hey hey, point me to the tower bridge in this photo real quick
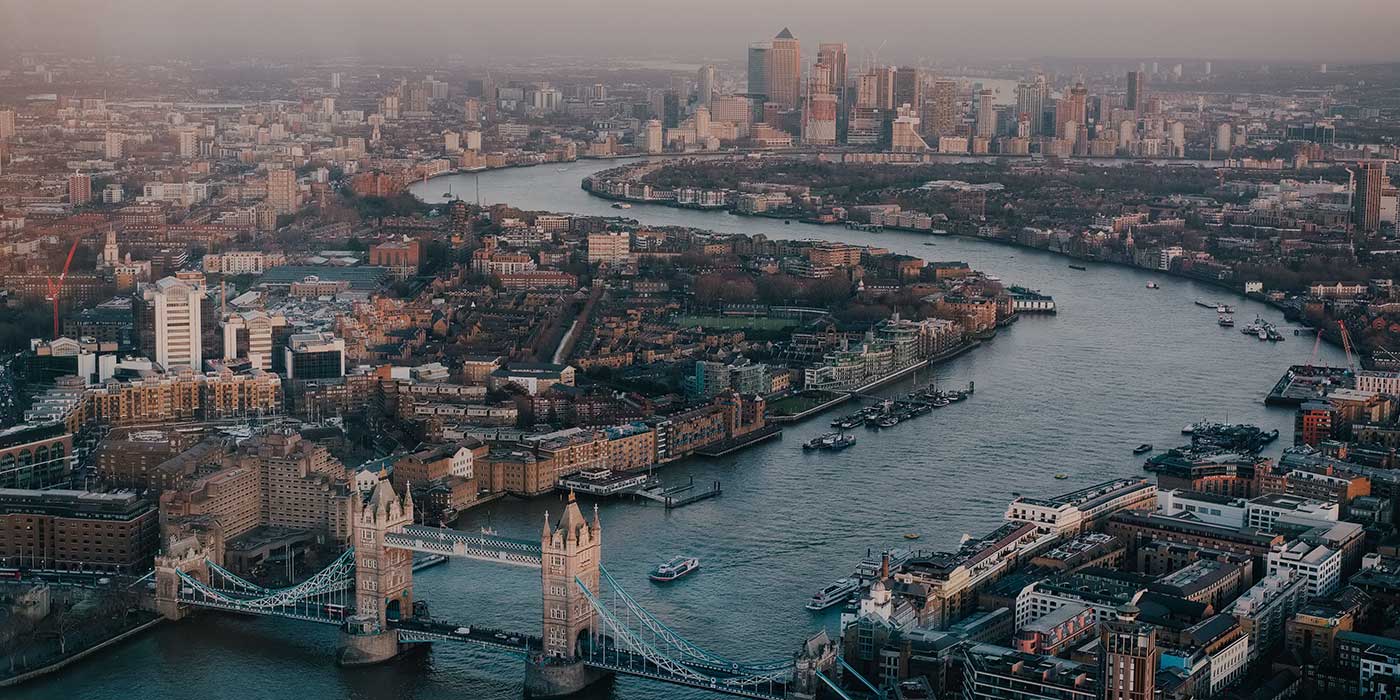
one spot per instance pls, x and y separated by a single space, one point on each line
591 628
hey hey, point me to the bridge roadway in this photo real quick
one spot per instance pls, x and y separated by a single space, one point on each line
610 657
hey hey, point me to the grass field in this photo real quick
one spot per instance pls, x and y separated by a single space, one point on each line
797 403
737 323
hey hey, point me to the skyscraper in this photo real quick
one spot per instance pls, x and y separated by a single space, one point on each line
986 114
705 85
1366 202
7 123
1127 657
1030 101
1136 98
908 87
759 54
785 70
944 112
831 59
175 310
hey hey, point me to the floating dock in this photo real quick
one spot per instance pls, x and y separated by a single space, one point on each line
680 496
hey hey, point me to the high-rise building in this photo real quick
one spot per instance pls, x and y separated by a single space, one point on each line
758 70
335 81
79 189
943 109
1079 104
1366 201
282 190
1030 101
908 87
819 120
1128 657
314 356
7 123
112 145
986 114
175 309
1136 98
671 110
189 143
705 85
785 70
651 137
831 60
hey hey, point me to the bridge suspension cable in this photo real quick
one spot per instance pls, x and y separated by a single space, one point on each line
325 597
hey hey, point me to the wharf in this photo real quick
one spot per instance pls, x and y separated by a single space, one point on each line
1303 383
605 482
680 496
720 449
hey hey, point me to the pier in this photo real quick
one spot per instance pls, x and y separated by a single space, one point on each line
680 496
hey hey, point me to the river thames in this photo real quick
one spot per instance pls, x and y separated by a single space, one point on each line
1119 365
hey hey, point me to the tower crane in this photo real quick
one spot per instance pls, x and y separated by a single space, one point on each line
55 288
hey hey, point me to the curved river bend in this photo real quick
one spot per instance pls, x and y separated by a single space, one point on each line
1120 365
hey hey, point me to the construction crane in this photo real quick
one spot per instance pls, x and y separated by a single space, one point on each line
1346 345
55 288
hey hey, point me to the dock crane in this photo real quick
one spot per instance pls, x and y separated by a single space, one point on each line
55 288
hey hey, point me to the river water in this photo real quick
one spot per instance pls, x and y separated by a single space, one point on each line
1118 366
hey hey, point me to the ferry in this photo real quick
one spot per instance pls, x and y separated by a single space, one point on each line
1224 309
621 205
833 594
1144 448
869 568
1153 285
1226 320
674 569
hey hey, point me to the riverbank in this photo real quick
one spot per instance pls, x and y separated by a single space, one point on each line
80 655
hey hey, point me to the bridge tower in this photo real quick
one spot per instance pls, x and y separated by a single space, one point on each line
383 578
189 553
570 550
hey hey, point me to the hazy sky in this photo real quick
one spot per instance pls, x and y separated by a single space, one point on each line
1312 30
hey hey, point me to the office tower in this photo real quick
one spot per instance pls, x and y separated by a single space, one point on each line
1127 657
908 87
7 123
832 58
885 87
671 110
785 70
986 115
705 85
1207 67
175 309
651 137
819 120
282 190
1079 103
757 88
79 189
1366 201
318 355
1030 101
1136 98
249 335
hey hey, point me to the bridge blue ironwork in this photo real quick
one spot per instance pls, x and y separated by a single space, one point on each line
466 545
326 597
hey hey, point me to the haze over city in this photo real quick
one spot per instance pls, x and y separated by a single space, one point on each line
1271 30
626 350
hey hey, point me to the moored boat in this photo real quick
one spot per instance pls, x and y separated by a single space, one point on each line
1144 448
1153 285
674 569
834 594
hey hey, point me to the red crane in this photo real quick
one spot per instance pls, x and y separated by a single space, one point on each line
56 287
1346 345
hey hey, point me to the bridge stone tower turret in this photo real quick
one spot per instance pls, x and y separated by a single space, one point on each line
383 578
569 552
189 553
